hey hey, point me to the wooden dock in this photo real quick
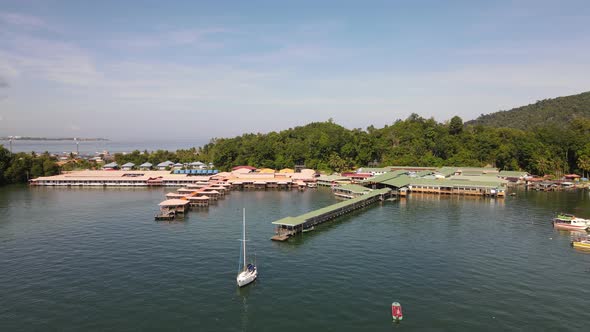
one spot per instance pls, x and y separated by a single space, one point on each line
290 226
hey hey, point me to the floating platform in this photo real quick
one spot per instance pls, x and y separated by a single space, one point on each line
290 226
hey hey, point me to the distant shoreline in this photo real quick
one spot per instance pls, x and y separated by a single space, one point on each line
19 138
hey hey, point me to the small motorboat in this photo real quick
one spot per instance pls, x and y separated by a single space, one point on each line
396 311
305 230
582 243
575 224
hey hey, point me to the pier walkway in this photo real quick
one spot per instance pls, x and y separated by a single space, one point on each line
289 226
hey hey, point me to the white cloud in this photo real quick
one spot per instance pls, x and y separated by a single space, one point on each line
51 60
201 37
22 20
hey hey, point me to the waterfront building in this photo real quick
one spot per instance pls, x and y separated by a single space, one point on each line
572 177
402 181
145 166
350 190
177 206
244 167
374 170
332 180
197 165
119 178
356 177
128 166
110 166
164 165
513 176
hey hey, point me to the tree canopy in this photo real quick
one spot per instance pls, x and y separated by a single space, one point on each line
20 167
413 141
559 111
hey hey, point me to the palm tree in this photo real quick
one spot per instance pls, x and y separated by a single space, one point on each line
584 164
542 165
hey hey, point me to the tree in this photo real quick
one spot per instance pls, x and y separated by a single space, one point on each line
336 163
584 164
50 167
456 125
5 160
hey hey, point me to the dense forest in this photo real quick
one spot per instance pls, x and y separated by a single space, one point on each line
559 111
413 141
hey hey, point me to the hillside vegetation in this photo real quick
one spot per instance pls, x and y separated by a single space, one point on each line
559 111
413 141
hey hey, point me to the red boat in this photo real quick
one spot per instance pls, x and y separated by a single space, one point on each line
396 311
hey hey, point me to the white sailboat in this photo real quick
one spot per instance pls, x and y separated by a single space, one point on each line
248 272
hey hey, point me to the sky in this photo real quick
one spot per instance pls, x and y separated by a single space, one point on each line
202 69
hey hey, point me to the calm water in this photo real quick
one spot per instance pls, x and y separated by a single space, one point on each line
94 259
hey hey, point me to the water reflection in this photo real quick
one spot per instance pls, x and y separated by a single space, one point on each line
243 293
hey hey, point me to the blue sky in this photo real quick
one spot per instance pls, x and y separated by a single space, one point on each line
196 69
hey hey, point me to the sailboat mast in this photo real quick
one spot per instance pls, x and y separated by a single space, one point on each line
244 234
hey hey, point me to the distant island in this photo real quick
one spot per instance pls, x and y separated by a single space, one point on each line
27 138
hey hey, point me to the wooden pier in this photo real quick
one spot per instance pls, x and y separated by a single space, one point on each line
290 226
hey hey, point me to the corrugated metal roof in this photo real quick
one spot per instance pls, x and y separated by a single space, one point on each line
480 177
173 202
411 167
515 174
384 177
447 171
398 182
295 221
333 178
424 173
454 183
479 169
354 188
374 169
472 173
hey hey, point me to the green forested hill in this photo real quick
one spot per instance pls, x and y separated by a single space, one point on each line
559 111
549 137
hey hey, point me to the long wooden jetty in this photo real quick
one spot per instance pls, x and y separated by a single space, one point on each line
290 226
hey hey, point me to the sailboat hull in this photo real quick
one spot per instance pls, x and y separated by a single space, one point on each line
246 277
249 272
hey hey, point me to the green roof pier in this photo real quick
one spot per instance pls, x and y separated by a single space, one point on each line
290 226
